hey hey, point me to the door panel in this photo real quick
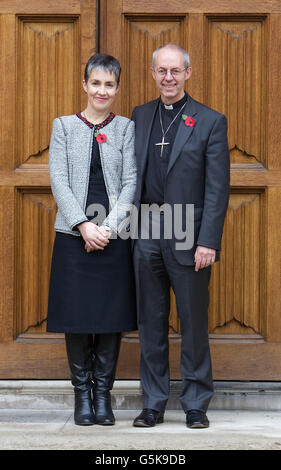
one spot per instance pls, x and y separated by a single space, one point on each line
236 63
235 59
45 46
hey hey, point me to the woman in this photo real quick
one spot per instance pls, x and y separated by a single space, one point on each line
93 172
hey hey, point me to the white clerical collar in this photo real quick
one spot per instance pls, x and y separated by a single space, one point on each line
168 106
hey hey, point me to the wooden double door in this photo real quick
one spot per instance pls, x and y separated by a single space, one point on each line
235 56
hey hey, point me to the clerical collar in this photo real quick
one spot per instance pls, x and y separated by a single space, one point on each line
175 105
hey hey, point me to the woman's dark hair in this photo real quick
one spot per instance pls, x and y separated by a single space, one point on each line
105 62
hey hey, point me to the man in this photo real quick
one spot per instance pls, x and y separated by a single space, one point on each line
182 157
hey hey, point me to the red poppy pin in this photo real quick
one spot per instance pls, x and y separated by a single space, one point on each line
188 120
101 138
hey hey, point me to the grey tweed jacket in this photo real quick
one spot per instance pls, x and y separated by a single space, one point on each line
69 164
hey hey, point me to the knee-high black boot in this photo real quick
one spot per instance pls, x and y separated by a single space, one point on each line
79 349
106 351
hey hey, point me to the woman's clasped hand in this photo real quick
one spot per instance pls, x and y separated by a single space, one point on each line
95 237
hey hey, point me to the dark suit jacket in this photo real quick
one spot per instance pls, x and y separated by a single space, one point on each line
198 171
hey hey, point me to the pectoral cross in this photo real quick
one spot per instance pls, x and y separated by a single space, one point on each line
162 144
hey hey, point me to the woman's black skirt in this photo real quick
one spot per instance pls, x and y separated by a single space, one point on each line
91 292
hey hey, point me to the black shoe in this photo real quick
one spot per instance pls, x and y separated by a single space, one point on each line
103 411
83 411
196 419
148 418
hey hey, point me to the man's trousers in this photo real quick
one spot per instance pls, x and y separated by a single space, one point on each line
156 270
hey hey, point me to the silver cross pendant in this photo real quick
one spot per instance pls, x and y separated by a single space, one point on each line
162 145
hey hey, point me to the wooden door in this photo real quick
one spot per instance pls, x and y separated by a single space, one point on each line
235 54
235 59
44 48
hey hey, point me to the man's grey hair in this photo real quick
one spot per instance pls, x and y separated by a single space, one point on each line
172 45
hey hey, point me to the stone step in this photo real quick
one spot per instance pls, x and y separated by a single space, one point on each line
126 395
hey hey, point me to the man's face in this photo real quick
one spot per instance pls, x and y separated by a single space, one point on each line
171 86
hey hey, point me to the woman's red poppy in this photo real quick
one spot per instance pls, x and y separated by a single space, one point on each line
101 138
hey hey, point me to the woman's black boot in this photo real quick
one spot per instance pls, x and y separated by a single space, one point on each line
79 349
106 352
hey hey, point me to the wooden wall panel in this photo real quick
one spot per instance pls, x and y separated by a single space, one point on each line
36 216
237 283
273 109
237 295
236 82
142 35
234 50
273 266
7 250
44 48
160 7
7 87
48 76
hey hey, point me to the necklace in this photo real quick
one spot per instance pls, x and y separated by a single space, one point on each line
93 122
162 143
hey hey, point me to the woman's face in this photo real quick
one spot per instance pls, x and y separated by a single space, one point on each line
101 89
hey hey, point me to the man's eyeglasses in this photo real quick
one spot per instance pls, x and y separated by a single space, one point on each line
174 72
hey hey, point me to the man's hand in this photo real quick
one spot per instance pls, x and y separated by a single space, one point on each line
95 238
204 257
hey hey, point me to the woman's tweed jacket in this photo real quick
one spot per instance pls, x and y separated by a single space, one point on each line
69 164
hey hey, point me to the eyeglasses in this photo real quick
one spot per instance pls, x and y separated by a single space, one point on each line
174 72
